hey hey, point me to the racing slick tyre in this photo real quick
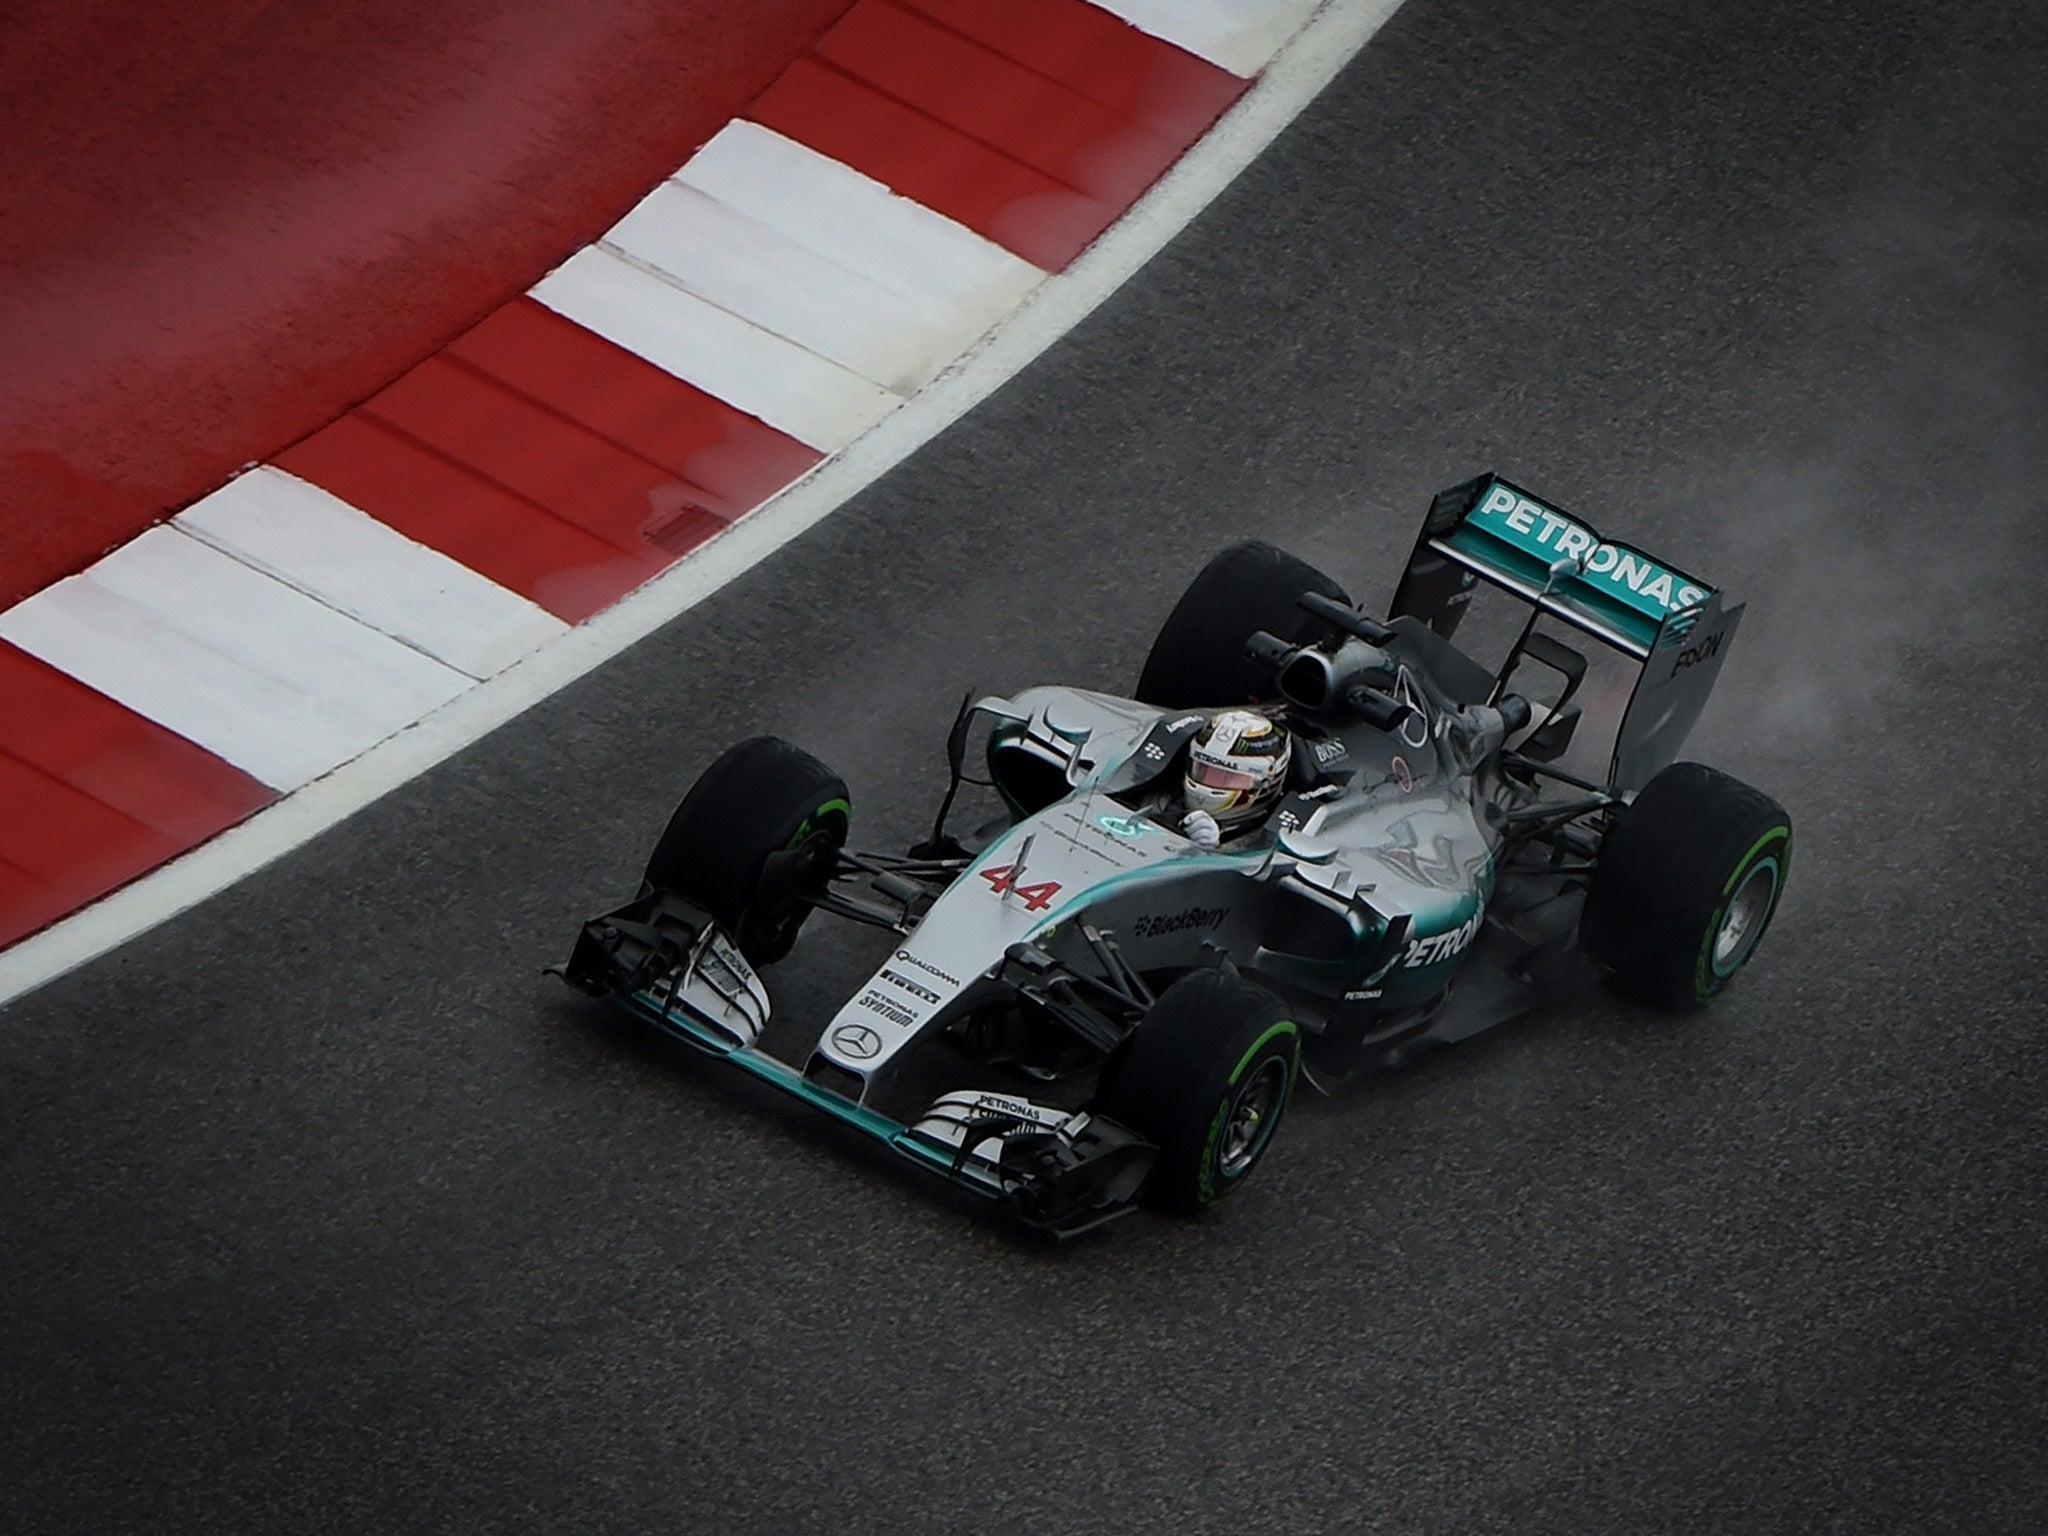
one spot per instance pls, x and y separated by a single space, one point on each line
1686 883
1205 1077
1199 656
757 830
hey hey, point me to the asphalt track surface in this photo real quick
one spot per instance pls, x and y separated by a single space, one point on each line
325 1211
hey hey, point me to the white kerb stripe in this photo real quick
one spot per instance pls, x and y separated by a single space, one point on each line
746 269
796 391
824 206
256 672
318 543
1238 35
896 339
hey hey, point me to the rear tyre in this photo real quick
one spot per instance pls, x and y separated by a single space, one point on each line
1688 878
1205 1077
757 831
1199 655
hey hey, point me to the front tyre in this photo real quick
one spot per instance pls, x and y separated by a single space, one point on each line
1688 878
1205 1077
759 830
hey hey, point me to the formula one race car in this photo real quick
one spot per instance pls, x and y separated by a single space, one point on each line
1117 1001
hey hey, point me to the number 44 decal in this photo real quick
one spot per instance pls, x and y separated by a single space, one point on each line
1002 878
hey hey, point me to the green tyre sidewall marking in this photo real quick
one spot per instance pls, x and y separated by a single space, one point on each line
1209 1192
1706 980
810 822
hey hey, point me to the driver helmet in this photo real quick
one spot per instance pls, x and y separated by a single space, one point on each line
1236 766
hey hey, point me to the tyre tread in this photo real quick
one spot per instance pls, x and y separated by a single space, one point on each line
1165 1084
1664 870
751 801
1198 657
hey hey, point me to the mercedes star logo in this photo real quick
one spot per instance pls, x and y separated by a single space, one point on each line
857 1042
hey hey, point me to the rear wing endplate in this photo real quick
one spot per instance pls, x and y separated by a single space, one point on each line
1677 627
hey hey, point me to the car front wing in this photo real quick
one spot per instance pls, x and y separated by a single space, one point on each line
668 962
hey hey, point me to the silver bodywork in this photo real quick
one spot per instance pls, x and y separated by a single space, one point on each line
1371 884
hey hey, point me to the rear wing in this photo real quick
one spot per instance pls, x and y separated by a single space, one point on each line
1676 626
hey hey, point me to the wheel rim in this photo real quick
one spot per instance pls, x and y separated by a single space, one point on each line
778 909
1253 1112
1742 922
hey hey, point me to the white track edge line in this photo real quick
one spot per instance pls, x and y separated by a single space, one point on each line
1296 75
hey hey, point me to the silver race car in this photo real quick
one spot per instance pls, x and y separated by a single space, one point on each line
1089 999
